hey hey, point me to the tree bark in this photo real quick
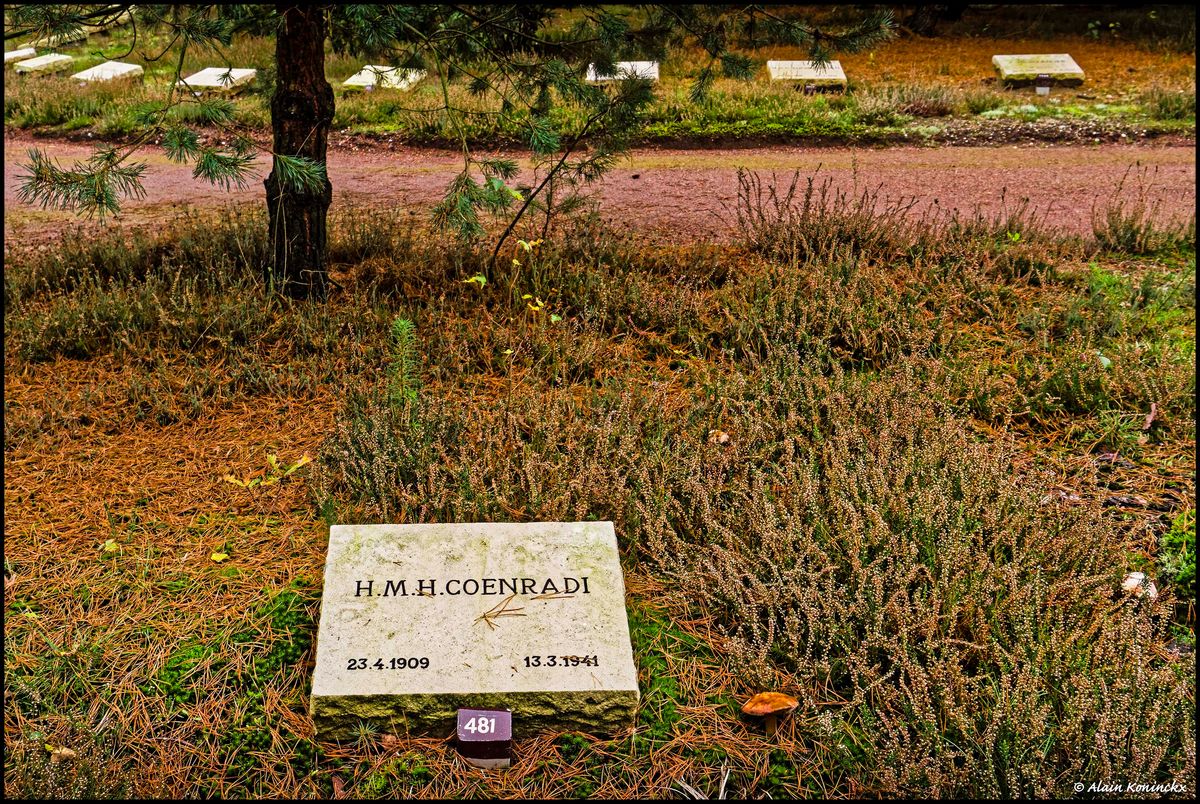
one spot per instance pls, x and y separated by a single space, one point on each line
301 114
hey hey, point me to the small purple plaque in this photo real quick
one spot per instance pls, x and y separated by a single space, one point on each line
484 734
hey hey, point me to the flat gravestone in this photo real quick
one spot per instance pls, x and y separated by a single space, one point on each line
1016 71
57 40
217 79
829 75
376 75
19 55
625 69
109 71
81 33
419 621
50 63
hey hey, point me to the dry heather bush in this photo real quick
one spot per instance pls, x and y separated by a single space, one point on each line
966 627
213 256
884 104
855 312
93 773
1129 221
792 225
785 223
952 630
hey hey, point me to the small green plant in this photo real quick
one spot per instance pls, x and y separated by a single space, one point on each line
286 627
1178 555
270 475
402 368
176 680
1096 28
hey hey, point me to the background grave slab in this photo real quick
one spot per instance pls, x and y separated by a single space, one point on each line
19 55
50 63
374 75
626 69
220 79
81 33
110 71
831 74
1023 70
418 621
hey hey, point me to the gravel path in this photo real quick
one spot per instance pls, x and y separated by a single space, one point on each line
688 193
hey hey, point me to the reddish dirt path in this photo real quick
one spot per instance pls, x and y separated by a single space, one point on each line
687 193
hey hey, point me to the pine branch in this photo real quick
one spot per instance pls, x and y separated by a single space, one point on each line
94 187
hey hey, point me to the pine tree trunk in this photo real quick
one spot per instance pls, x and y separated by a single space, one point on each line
301 114
924 19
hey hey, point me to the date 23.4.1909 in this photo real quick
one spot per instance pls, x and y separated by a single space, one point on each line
394 663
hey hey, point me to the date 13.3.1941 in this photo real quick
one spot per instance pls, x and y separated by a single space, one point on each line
562 661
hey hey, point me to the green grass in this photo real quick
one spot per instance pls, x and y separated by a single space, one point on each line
909 526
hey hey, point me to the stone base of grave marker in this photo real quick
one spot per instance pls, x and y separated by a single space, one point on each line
420 621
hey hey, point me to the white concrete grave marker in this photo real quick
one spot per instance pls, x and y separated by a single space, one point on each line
419 621
71 37
1016 71
44 65
19 55
830 75
109 71
81 33
376 75
220 79
625 69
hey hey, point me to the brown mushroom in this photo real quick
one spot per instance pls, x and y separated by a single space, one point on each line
770 705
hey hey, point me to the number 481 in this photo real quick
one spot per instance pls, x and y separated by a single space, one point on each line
480 725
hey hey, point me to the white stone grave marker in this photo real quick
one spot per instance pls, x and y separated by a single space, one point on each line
418 621
626 69
1023 70
220 79
19 55
829 75
81 33
50 63
376 75
109 71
